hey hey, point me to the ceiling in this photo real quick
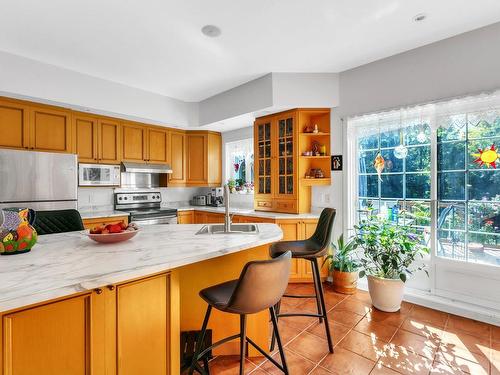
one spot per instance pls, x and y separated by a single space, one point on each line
156 45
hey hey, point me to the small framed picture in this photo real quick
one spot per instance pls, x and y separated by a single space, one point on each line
336 162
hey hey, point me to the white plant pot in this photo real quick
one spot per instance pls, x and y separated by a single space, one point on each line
386 294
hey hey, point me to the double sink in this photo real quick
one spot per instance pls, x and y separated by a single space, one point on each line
233 229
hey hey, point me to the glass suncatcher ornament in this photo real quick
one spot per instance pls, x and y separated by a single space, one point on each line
487 156
401 151
379 165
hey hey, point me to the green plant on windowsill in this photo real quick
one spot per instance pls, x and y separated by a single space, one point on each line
343 265
231 184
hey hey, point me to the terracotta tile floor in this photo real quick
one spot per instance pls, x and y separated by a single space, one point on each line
416 340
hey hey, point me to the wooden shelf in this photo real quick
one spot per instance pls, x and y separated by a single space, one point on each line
315 134
315 157
315 181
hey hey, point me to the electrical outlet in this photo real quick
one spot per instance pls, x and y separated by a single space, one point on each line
326 198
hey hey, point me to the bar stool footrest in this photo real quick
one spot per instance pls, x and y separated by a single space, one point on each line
261 351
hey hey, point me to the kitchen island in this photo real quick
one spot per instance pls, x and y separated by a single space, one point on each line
73 306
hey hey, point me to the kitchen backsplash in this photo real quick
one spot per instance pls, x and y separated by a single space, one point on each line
101 199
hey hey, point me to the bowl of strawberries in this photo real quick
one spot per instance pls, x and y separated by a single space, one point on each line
112 233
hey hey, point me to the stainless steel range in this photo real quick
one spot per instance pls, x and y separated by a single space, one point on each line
145 208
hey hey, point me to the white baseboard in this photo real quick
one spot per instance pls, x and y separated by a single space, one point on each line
447 305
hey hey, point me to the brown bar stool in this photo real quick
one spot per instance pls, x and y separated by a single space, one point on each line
314 247
260 286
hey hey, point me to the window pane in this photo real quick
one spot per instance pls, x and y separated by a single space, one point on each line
390 209
418 186
451 156
484 185
368 186
392 164
484 217
451 216
392 186
368 142
366 159
418 213
451 244
451 127
418 159
484 124
418 134
484 248
367 207
390 138
451 186
484 145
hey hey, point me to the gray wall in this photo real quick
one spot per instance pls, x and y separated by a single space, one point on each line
461 65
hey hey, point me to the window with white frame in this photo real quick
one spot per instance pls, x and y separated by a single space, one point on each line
437 172
240 166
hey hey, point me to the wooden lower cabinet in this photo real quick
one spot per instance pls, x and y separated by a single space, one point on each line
54 338
94 222
142 326
185 217
121 329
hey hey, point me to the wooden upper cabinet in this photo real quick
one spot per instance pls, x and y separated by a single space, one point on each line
14 127
142 333
214 159
86 138
134 143
50 339
97 140
109 145
177 153
197 158
204 159
50 130
157 145
285 168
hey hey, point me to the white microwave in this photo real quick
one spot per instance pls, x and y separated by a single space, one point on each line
98 175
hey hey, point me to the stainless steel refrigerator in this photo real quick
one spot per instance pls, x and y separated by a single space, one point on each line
38 180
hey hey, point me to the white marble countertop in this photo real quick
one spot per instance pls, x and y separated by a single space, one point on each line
63 264
249 212
94 214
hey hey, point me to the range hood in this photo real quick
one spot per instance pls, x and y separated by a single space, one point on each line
146 168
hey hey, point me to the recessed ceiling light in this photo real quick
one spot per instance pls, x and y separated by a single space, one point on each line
211 31
420 17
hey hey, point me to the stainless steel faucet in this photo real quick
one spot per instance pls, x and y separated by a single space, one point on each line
227 217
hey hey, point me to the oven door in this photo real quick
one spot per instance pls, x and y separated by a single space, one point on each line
98 175
155 220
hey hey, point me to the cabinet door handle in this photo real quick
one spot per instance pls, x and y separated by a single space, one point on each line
98 290
111 287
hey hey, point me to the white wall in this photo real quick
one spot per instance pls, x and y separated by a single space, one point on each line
29 79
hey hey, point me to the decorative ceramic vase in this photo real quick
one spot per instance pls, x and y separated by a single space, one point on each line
386 294
345 282
16 232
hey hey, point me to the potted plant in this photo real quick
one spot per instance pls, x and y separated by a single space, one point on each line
390 252
232 185
343 266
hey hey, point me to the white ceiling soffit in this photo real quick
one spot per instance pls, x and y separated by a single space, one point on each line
273 92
